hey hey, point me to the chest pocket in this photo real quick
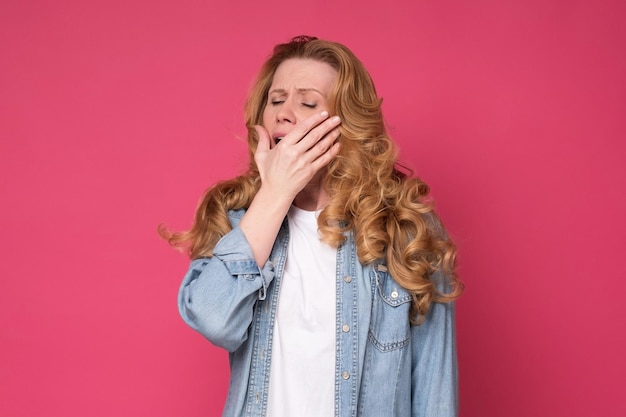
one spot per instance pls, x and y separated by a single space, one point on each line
389 325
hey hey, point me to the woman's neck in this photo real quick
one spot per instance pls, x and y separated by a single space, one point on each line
313 197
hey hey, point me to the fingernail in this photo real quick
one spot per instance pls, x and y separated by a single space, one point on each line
324 113
335 119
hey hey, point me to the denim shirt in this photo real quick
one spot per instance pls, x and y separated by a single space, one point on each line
384 367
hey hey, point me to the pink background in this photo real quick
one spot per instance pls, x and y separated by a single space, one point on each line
114 117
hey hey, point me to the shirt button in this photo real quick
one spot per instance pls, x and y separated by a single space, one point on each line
345 375
345 328
347 279
394 293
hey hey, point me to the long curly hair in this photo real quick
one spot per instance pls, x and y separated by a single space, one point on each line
381 203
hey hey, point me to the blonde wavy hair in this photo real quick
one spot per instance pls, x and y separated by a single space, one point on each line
387 210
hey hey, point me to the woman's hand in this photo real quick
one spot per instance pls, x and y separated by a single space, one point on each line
288 166
285 169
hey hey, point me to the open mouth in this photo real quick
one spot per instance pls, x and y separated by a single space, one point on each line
278 139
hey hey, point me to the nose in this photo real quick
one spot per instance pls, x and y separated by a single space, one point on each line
285 112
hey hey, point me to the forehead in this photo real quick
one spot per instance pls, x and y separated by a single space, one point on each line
304 73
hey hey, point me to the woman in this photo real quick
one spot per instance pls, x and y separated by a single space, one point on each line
323 269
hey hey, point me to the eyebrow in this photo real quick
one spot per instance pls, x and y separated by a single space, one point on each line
299 90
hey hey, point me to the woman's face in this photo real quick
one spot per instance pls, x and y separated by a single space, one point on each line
300 88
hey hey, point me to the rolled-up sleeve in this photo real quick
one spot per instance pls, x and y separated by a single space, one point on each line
218 294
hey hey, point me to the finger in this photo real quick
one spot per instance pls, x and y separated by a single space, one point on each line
304 127
264 139
325 158
323 151
319 133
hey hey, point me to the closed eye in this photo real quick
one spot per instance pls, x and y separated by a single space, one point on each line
277 102
310 105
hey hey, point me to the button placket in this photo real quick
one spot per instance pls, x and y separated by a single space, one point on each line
347 327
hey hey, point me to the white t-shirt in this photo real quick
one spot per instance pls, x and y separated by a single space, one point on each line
302 371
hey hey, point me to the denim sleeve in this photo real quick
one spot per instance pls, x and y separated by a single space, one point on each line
218 294
435 373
